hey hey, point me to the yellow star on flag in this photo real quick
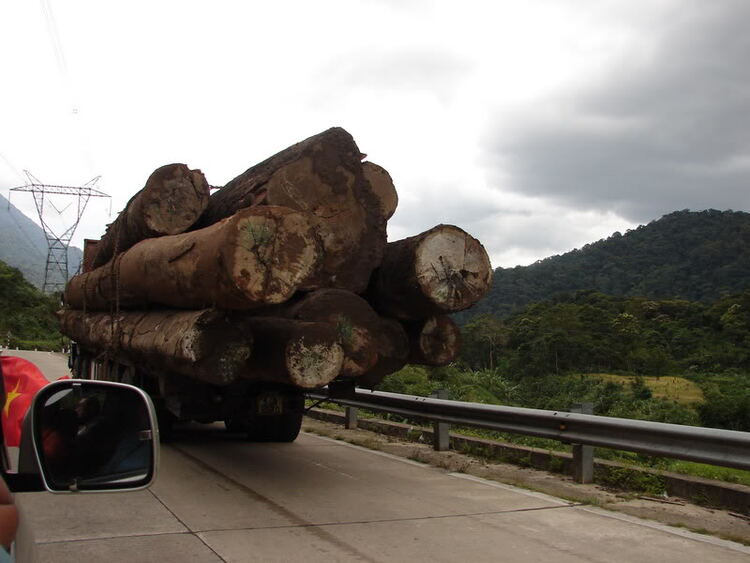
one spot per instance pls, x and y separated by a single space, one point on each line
10 397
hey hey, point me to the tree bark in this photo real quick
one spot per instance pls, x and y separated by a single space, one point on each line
204 345
383 188
356 324
442 270
393 352
89 253
435 341
322 175
172 200
303 354
258 256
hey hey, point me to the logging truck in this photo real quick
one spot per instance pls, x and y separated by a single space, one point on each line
228 306
267 412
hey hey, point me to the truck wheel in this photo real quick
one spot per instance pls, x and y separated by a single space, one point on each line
275 428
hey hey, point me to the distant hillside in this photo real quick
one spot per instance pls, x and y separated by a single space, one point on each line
24 246
697 256
28 316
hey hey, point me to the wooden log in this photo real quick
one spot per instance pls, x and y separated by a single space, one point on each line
435 341
322 175
258 256
204 345
442 270
393 352
89 253
172 200
303 354
383 188
354 320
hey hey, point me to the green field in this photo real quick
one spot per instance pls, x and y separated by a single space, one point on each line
676 389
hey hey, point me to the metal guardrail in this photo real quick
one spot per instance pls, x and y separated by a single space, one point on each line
727 448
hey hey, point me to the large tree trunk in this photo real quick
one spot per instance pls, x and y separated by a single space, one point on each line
321 175
258 256
304 354
393 351
172 200
435 341
442 270
357 325
203 345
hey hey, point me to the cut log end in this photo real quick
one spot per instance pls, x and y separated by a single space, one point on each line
313 364
437 343
358 344
274 252
393 352
299 353
354 321
172 200
452 268
181 198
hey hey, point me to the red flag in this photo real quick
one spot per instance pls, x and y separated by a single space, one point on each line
22 380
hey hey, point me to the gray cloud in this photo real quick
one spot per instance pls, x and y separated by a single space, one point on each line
425 205
668 132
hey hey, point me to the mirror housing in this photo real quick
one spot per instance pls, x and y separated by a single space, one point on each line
93 436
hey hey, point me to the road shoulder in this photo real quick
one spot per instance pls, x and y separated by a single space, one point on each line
673 512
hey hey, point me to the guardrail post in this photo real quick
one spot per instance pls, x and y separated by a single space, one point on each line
583 456
350 418
441 440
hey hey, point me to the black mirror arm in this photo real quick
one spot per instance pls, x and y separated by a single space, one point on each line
28 479
24 482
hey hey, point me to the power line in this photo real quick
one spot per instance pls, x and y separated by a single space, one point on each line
9 164
54 35
62 66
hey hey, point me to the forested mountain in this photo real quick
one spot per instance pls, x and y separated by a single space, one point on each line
27 316
589 332
592 332
24 246
697 256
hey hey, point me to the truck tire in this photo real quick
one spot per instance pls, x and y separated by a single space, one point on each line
275 428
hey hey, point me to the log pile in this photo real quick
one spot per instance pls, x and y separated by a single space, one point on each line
282 275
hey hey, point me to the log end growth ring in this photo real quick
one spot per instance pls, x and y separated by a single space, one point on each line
178 203
313 364
275 252
452 268
439 341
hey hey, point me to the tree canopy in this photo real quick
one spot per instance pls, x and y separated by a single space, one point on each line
696 256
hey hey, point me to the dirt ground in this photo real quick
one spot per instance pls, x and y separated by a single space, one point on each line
672 511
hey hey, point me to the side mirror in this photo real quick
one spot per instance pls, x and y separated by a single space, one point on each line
94 436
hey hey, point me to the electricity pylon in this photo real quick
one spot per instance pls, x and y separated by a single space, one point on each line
56 270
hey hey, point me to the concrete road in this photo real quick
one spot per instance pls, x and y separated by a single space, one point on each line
219 498
52 364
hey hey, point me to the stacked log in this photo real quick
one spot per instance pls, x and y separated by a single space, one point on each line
172 200
206 345
443 270
89 253
256 257
323 176
282 275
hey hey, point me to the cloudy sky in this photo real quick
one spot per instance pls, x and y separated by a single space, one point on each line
538 126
